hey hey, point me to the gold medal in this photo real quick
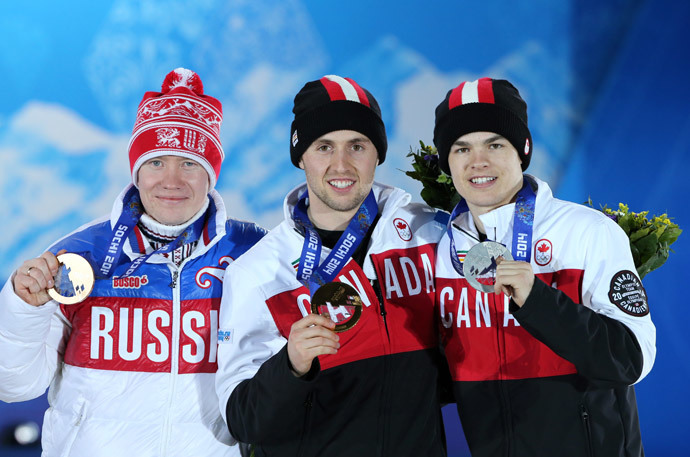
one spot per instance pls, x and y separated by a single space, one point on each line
339 302
74 280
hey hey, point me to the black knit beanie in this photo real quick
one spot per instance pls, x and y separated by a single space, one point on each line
335 103
484 105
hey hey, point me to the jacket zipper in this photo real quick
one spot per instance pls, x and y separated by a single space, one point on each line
382 306
586 422
376 285
502 388
306 426
174 353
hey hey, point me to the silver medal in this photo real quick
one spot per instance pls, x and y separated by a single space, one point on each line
480 264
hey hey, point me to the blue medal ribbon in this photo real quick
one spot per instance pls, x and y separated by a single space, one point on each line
132 209
523 222
309 272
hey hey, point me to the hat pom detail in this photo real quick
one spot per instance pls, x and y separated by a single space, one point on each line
182 77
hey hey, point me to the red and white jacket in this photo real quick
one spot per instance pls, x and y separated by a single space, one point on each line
131 369
378 394
543 379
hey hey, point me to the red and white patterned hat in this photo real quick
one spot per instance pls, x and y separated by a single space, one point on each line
335 103
180 121
484 105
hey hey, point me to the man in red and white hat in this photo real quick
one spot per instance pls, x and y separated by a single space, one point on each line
131 367
545 321
335 354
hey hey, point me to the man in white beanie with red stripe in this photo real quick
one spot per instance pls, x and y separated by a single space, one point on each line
545 321
130 368
330 346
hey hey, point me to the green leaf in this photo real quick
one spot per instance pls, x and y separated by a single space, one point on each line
647 246
636 255
626 223
639 234
652 264
670 235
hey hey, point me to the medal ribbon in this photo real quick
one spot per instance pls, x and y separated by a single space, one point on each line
309 272
132 209
523 221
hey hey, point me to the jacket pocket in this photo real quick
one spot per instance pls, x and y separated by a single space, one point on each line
587 426
306 424
80 409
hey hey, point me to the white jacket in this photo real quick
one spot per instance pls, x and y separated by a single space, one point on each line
131 369
554 376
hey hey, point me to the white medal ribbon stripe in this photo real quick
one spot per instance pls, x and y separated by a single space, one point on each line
470 92
348 89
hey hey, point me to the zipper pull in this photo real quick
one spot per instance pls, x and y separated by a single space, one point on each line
584 413
174 280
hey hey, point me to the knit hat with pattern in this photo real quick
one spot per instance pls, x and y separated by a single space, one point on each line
335 103
484 105
180 121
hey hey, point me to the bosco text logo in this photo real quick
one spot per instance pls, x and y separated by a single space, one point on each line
130 282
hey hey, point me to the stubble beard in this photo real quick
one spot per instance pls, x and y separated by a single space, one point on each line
350 204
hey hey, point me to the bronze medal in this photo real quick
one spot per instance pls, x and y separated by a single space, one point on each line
479 266
74 280
339 302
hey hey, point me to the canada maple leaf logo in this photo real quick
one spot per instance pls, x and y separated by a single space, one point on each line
543 250
403 229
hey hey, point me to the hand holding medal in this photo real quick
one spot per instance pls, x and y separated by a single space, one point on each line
309 338
515 279
67 278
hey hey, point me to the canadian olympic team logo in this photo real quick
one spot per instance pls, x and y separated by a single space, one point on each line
403 229
542 252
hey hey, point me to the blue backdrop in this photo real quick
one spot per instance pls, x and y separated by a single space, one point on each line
605 82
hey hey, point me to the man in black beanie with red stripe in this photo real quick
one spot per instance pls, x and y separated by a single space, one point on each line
329 344
545 321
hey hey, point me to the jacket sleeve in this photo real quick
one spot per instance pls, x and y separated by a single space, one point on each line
258 394
608 344
32 343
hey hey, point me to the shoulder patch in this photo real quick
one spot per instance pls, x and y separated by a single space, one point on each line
403 228
627 293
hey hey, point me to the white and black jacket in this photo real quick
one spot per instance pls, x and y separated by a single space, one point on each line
378 395
555 376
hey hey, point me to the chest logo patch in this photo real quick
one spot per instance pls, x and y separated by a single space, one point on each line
130 282
542 252
627 293
403 229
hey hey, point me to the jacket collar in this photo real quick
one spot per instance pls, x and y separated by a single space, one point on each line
498 223
213 229
388 198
